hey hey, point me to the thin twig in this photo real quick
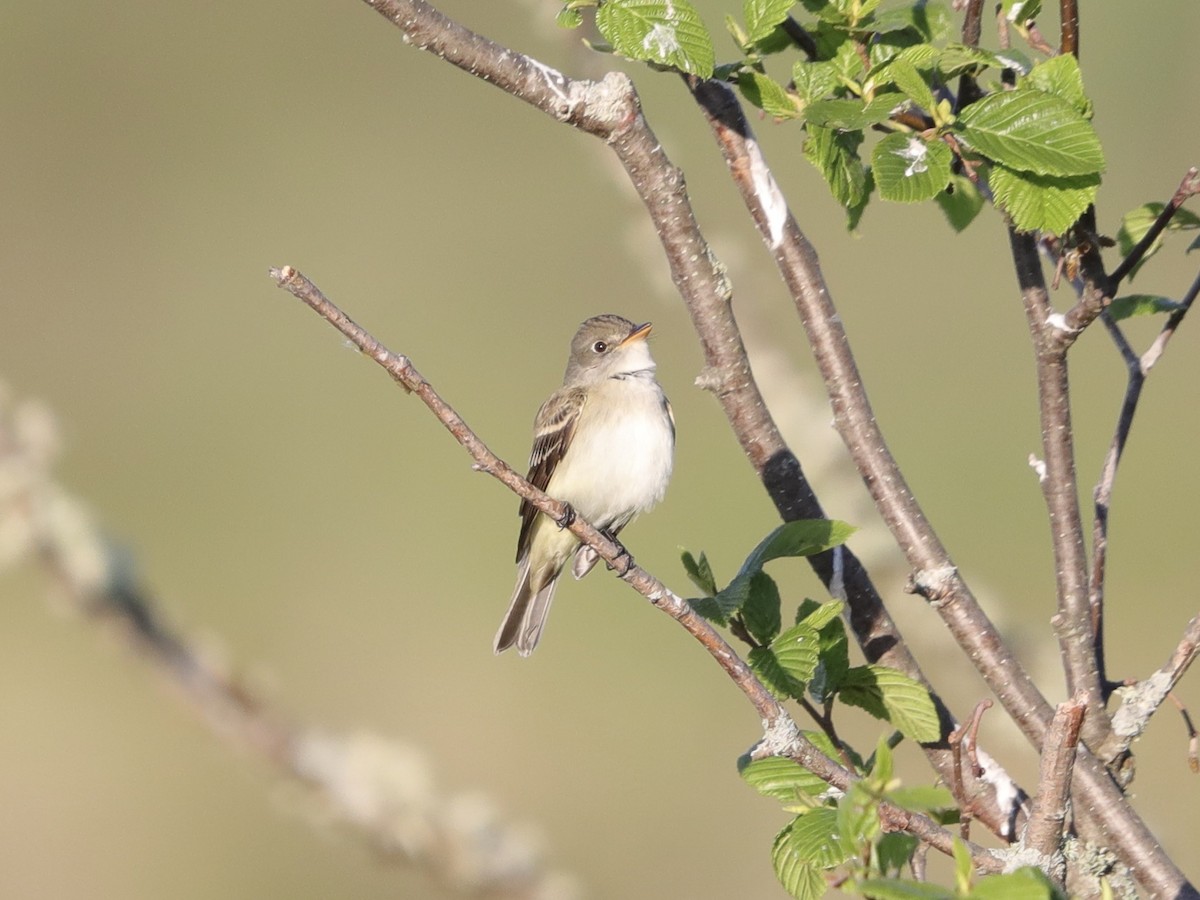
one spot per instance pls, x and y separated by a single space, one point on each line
1188 187
1137 370
1068 14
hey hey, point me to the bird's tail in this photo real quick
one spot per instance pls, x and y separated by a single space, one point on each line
526 616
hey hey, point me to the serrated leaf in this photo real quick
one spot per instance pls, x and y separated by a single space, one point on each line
905 76
932 21
893 696
813 80
835 154
768 95
761 16
761 611
804 537
851 115
569 18
782 779
909 169
823 614
1136 222
699 572
1032 131
667 32
1027 883
1020 11
802 879
834 661
1141 305
961 202
1060 76
811 837
797 653
775 678
1042 202
902 889
857 816
708 608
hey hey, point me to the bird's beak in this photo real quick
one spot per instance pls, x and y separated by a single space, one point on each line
638 334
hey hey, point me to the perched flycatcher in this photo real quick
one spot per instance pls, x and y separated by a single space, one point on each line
603 443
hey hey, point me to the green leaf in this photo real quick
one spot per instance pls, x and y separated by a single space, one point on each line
962 867
893 696
813 80
905 76
961 202
909 169
834 656
1136 222
1141 305
902 889
796 651
1020 11
835 154
823 614
782 779
768 95
1024 884
1032 131
772 674
802 879
708 608
666 32
922 798
857 817
804 537
895 850
851 115
932 21
699 572
761 611
763 15
1042 202
811 837
1060 76
568 17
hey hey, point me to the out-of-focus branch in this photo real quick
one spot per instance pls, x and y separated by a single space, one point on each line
1068 14
781 736
383 790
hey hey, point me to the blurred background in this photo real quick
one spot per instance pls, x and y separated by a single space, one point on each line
305 521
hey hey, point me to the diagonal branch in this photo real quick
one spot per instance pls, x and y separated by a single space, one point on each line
781 735
1188 188
1138 369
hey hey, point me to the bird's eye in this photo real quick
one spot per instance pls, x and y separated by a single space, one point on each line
599 346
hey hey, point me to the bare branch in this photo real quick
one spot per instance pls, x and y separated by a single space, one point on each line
1138 369
1044 833
1073 621
1068 14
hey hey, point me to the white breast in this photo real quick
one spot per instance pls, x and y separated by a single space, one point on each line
619 462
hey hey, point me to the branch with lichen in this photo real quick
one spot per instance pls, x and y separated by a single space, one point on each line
383 790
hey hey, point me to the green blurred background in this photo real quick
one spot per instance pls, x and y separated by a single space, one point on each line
300 514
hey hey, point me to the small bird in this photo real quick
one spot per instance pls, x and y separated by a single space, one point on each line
603 443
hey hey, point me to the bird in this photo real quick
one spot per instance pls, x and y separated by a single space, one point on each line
604 444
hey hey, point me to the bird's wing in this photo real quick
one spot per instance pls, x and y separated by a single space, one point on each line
553 430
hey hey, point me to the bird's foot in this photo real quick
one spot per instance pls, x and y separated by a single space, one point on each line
623 561
567 517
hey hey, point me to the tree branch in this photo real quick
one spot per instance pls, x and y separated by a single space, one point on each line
781 736
1188 188
1138 369
1045 831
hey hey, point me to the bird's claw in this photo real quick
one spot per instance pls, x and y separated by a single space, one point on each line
567 517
